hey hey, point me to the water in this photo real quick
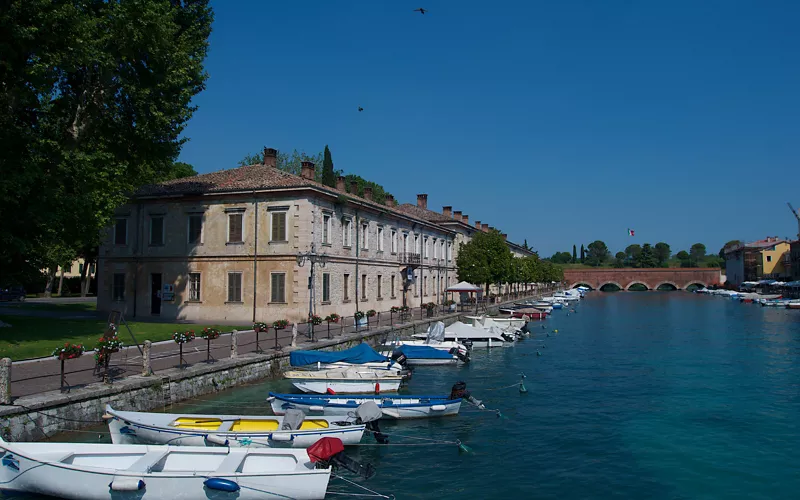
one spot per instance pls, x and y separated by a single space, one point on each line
664 395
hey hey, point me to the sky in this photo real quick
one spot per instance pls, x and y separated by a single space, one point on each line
558 123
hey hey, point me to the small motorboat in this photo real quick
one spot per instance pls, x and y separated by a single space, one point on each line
422 355
793 305
434 337
479 337
392 407
530 312
293 431
505 323
84 471
361 356
347 380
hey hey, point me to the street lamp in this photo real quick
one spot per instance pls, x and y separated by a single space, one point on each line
314 258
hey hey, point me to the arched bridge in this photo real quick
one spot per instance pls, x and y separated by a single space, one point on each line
652 279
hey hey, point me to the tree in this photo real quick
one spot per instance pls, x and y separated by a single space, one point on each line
697 253
94 100
632 253
561 258
525 244
597 253
647 257
574 255
662 253
180 170
485 259
619 259
328 174
683 258
583 255
291 162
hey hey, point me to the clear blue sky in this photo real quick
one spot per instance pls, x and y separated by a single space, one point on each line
560 122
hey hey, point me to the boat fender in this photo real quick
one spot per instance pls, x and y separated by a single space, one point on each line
331 391
216 440
316 408
281 436
438 408
220 484
270 399
107 416
126 484
377 387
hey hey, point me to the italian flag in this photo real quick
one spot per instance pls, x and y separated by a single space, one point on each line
630 232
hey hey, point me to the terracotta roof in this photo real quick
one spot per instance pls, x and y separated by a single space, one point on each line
424 213
249 178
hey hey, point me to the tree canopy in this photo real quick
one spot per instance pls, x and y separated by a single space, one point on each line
597 253
485 259
561 258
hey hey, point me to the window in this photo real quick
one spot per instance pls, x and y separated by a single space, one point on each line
380 239
278 287
427 245
326 287
393 236
234 287
347 233
235 229
194 287
380 285
405 242
425 280
449 251
156 230
121 232
769 258
435 249
416 244
326 229
118 289
364 286
346 287
278 226
365 236
392 286
195 229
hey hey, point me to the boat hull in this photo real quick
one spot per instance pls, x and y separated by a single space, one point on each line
430 362
321 386
394 408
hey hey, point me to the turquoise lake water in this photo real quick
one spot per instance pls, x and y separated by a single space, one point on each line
640 395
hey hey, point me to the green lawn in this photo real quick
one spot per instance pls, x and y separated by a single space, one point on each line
40 306
31 337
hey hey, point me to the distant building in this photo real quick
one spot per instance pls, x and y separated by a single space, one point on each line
794 261
763 259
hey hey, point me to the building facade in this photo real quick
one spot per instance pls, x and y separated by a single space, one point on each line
763 259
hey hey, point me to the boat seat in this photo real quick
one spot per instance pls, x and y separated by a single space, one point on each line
226 426
148 461
232 462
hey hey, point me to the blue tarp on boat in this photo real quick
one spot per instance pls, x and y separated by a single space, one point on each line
423 352
362 353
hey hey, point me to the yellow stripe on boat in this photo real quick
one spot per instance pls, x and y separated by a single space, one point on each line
202 424
261 425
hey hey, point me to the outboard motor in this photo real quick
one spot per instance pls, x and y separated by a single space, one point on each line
525 329
459 390
460 354
329 452
368 413
400 358
468 344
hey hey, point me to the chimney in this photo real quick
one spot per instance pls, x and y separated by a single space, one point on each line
457 215
340 183
422 201
368 193
389 200
307 170
270 157
505 236
447 212
465 219
478 225
485 228
354 187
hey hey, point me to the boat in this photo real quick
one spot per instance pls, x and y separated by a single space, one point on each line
347 380
434 337
423 355
92 471
557 305
793 305
362 356
520 312
479 337
505 323
292 431
392 407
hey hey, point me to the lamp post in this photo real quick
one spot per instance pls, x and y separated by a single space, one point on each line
314 258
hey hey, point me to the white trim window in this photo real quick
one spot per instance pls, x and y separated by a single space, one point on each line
121 231
427 247
326 287
417 247
365 235
449 251
236 227
194 287
435 249
118 287
278 285
277 226
194 229
405 242
326 228
347 233
234 287
380 238
156 230
393 236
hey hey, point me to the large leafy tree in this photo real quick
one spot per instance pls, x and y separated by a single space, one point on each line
632 253
93 101
597 253
647 257
662 253
697 254
561 258
619 259
485 259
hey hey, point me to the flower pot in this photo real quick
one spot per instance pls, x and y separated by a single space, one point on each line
452 307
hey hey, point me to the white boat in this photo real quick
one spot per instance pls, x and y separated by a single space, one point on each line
349 380
478 337
434 337
504 323
83 471
392 407
423 355
294 431
362 356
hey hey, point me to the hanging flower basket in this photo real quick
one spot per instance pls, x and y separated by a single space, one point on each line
106 346
333 318
404 309
449 302
68 351
280 324
183 337
210 333
260 327
371 313
358 315
315 320
394 310
430 306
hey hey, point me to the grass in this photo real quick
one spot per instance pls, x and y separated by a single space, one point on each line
31 337
40 306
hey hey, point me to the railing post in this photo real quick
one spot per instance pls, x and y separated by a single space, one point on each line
234 344
146 370
5 381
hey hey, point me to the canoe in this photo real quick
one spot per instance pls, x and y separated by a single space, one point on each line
350 380
130 427
90 471
392 407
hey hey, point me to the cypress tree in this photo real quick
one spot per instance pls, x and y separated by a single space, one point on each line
574 254
328 176
583 254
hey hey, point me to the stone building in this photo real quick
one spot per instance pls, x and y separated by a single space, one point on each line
225 246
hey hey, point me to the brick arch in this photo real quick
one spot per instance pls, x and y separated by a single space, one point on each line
579 283
637 282
610 283
694 282
667 283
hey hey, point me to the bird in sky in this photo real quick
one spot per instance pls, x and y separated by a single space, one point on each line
360 109
421 10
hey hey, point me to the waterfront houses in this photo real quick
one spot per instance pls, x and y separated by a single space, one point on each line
763 259
240 244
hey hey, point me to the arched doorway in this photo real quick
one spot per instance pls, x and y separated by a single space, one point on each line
610 286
